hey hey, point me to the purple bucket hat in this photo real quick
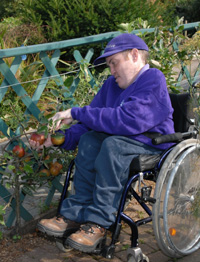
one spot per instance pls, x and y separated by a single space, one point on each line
121 43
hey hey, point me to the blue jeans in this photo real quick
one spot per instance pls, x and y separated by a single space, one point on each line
102 170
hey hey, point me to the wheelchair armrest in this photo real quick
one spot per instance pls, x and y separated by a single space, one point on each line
175 137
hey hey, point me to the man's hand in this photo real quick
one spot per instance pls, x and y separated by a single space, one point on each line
63 117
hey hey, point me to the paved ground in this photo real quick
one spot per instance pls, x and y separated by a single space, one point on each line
50 253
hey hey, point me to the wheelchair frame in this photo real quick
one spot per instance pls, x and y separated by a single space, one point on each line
164 173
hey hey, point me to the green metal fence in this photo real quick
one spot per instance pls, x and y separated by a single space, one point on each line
50 65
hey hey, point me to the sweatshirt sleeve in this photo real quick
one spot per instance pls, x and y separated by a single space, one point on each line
145 106
73 134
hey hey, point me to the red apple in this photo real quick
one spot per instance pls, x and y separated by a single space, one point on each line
38 138
18 150
55 168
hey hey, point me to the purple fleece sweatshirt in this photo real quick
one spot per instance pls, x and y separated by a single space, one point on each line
143 107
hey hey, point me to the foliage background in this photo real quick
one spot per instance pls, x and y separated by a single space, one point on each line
55 20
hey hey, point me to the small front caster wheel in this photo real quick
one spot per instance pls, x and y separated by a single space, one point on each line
60 243
136 255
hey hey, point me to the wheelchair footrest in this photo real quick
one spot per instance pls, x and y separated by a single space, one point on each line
146 192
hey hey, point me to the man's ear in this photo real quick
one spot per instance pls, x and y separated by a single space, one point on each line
134 53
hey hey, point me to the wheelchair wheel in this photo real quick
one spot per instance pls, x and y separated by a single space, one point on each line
176 213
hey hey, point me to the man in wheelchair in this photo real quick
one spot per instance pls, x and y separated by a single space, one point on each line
132 106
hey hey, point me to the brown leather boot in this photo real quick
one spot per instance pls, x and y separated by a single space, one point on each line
88 238
58 226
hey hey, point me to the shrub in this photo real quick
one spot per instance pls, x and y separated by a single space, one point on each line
15 33
66 19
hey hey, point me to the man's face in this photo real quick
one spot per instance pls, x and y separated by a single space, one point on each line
123 68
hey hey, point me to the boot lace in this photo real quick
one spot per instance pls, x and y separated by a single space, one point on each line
88 228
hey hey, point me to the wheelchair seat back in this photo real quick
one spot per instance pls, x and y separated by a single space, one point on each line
183 115
183 118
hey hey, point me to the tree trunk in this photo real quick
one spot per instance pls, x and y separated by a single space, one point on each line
17 198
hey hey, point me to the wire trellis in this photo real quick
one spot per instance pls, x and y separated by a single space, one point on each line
49 77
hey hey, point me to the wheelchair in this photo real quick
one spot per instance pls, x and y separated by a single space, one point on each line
174 209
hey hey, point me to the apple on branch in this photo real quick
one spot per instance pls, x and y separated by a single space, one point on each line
57 139
38 138
18 150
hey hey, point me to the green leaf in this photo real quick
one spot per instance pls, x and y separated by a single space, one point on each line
42 129
35 154
6 155
64 127
1 221
8 185
16 237
7 102
28 169
68 82
55 93
8 131
11 167
2 211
